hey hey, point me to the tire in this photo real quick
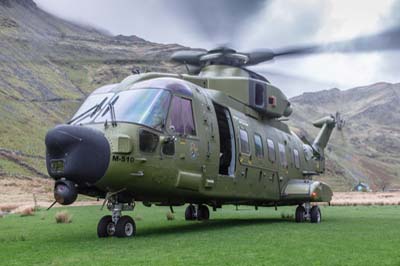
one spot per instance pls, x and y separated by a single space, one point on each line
105 227
190 213
300 214
203 214
125 227
315 215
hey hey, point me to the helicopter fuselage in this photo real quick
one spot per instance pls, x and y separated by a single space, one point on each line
203 146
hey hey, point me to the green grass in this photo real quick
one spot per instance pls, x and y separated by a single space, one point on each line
347 236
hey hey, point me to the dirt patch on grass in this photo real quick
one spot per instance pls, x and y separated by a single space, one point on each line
365 198
19 192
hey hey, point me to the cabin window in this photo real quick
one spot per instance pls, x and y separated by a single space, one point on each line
259 146
271 150
148 141
244 141
282 155
259 95
181 116
296 158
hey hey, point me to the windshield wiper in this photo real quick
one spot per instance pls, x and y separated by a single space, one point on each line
95 108
112 112
92 110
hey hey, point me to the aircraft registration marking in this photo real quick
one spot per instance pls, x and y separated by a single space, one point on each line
123 159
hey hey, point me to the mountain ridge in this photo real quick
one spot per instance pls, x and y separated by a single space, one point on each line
367 148
49 65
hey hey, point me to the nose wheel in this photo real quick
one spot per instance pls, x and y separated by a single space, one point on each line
125 227
116 224
105 227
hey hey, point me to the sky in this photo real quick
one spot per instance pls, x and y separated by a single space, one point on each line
253 24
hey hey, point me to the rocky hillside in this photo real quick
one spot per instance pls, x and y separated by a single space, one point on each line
47 67
368 147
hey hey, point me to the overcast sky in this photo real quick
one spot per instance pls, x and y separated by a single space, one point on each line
250 24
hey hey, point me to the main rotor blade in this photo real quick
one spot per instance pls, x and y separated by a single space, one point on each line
190 57
384 41
388 40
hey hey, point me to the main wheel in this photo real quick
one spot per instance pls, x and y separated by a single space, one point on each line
203 214
300 214
105 227
190 213
315 214
125 227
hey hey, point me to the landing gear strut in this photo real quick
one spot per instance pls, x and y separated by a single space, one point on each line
306 212
116 224
199 212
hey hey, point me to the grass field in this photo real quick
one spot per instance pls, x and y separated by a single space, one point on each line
347 236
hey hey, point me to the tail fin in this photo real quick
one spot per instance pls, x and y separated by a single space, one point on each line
326 124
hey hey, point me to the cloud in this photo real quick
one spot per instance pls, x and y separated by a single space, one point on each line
217 21
257 24
341 20
284 23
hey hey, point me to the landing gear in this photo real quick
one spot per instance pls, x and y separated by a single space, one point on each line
203 214
125 227
190 213
116 224
200 213
315 215
106 227
306 212
300 214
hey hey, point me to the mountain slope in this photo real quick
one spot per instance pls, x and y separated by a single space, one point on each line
48 66
368 147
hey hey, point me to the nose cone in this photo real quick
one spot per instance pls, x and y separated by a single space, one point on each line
77 153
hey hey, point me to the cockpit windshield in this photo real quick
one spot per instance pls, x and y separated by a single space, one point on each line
147 106
90 107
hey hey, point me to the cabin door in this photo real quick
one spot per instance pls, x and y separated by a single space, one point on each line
227 147
181 124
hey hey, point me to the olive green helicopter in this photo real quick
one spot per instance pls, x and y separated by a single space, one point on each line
212 137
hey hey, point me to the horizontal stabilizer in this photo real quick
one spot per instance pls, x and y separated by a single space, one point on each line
329 120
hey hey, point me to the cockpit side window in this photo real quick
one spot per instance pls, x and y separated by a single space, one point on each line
181 116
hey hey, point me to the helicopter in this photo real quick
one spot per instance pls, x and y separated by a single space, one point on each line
215 136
